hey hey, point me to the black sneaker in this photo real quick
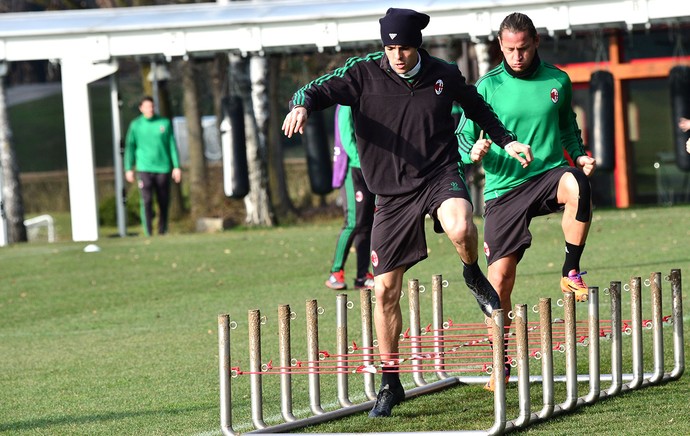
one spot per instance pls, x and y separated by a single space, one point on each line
366 282
484 293
386 399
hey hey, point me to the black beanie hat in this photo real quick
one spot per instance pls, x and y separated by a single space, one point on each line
403 27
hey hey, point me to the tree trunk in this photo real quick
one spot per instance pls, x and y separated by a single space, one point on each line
177 209
258 202
278 182
219 85
219 91
197 163
9 169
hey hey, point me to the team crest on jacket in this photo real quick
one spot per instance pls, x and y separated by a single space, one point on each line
359 196
438 87
554 95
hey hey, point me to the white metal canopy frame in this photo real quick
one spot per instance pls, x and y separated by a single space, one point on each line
87 44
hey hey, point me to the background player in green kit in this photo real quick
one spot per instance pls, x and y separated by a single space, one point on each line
150 147
358 206
533 99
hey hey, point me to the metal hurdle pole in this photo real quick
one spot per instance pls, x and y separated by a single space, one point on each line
594 352
415 331
254 321
497 326
225 376
678 344
636 332
341 349
546 335
570 356
520 311
657 329
313 358
284 340
616 347
367 341
437 320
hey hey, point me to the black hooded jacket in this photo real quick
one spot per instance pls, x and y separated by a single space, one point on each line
404 127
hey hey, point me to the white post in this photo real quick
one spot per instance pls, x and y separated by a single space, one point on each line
77 73
117 158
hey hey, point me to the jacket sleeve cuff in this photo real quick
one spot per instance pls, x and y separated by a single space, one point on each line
291 106
505 140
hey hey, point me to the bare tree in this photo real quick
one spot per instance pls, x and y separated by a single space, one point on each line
198 189
258 202
11 185
219 84
274 145
258 72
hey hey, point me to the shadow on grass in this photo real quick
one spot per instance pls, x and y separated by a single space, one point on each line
117 235
43 423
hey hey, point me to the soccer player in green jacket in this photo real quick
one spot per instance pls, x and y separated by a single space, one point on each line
150 147
533 99
358 206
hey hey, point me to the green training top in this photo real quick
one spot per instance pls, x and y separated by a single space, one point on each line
150 145
537 108
347 135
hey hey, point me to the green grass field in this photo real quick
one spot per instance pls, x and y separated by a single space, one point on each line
124 341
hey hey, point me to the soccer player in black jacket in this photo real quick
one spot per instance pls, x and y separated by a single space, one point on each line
401 100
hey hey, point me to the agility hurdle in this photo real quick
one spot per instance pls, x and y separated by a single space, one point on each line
444 352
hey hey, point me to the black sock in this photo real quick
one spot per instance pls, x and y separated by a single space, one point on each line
390 376
573 253
471 272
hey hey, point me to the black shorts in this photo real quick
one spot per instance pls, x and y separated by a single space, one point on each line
398 237
507 218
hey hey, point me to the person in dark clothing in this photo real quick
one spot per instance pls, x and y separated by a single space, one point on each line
150 147
358 206
401 100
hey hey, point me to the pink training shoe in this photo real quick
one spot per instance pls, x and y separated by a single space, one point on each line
574 283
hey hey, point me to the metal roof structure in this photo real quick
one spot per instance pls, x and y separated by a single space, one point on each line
87 44
263 25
